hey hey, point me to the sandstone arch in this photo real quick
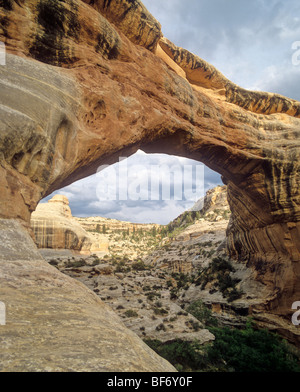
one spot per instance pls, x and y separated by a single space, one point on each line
111 84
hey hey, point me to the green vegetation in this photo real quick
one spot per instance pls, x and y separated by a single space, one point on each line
160 311
245 350
180 223
202 313
75 263
139 266
121 266
152 295
218 274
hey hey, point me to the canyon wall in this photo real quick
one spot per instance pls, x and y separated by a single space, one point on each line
86 82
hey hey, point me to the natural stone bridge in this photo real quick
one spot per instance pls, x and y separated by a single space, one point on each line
89 81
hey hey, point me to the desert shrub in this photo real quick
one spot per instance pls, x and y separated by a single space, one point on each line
76 263
121 267
169 283
161 327
202 313
234 294
152 295
131 313
139 266
219 271
183 355
239 350
221 264
195 325
160 311
173 294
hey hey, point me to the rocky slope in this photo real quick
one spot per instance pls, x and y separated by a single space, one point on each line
140 295
197 252
89 81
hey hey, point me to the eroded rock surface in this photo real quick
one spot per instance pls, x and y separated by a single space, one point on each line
140 295
87 82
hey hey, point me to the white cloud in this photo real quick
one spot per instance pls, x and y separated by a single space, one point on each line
241 38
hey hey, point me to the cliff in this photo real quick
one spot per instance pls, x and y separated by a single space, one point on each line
55 228
89 81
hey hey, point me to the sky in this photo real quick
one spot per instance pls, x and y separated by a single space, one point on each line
255 44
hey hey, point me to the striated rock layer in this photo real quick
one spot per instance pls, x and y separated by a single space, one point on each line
89 81
55 228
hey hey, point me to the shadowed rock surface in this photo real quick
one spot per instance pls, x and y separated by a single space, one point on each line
87 82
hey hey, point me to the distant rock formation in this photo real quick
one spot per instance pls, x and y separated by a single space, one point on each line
55 228
117 237
108 225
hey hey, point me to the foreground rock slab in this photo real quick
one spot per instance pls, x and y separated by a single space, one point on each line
54 323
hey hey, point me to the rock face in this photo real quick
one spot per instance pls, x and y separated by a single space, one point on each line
55 228
89 81
215 200
115 237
